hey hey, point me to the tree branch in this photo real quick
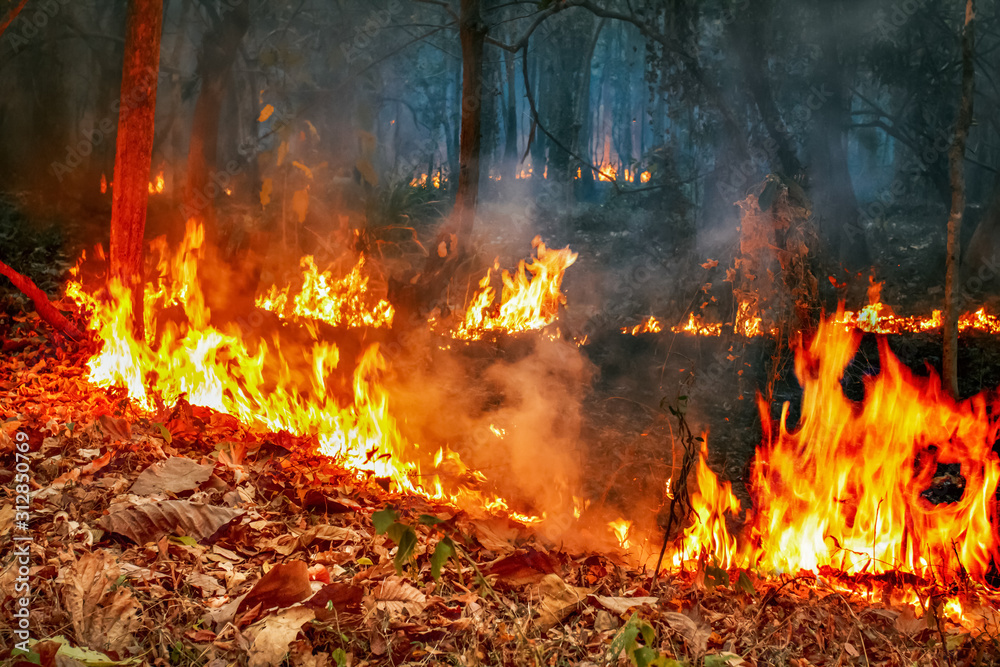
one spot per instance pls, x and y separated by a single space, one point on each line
43 306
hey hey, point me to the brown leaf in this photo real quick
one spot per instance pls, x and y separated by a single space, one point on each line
558 600
397 597
271 644
208 585
327 533
282 586
523 568
694 633
118 429
150 522
103 616
97 463
338 602
621 606
175 475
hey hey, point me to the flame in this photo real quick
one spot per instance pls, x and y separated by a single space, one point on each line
696 326
104 184
844 489
526 303
710 503
621 529
645 176
156 186
345 301
259 383
648 325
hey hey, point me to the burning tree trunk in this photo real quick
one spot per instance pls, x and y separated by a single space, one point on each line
220 45
135 146
956 158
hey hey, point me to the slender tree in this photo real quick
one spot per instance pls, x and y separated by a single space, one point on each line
956 159
134 150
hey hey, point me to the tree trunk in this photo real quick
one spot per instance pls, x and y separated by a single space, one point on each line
956 159
510 156
134 151
220 46
473 35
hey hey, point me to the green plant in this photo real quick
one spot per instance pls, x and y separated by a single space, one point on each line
387 523
641 655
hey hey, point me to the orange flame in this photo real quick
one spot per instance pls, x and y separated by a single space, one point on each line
257 382
844 489
341 302
526 302
648 325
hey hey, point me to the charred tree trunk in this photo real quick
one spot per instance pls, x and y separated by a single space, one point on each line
134 151
956 159
220 46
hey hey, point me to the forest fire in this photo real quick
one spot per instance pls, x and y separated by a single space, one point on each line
258 383
344 301
530 298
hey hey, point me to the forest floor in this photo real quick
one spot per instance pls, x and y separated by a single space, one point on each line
186 538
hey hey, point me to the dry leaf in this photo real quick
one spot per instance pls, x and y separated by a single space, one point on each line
103 616
175 475
327 533
208 585
282 586
271 644
696 635
150 522
559 600
118 429
395 596
522 568
621 606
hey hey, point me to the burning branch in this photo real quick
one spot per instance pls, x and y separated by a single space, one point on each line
43 306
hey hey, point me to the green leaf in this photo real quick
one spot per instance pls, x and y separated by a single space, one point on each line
364 560
715 576
429 520
164 433
339 657
186 540
27 656
407 542
644 656
442 552
624 640
722 660
744 584
383 519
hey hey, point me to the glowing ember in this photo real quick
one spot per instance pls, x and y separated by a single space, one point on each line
104 184
526 303
621 529
345 301
649 325
258 382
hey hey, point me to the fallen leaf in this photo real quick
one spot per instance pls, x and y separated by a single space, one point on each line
271 644
118 429
396 597
337 602
327 533
208 585
149 522
695 634
103 615
282 586
621 606
558 600
175 475
520 569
